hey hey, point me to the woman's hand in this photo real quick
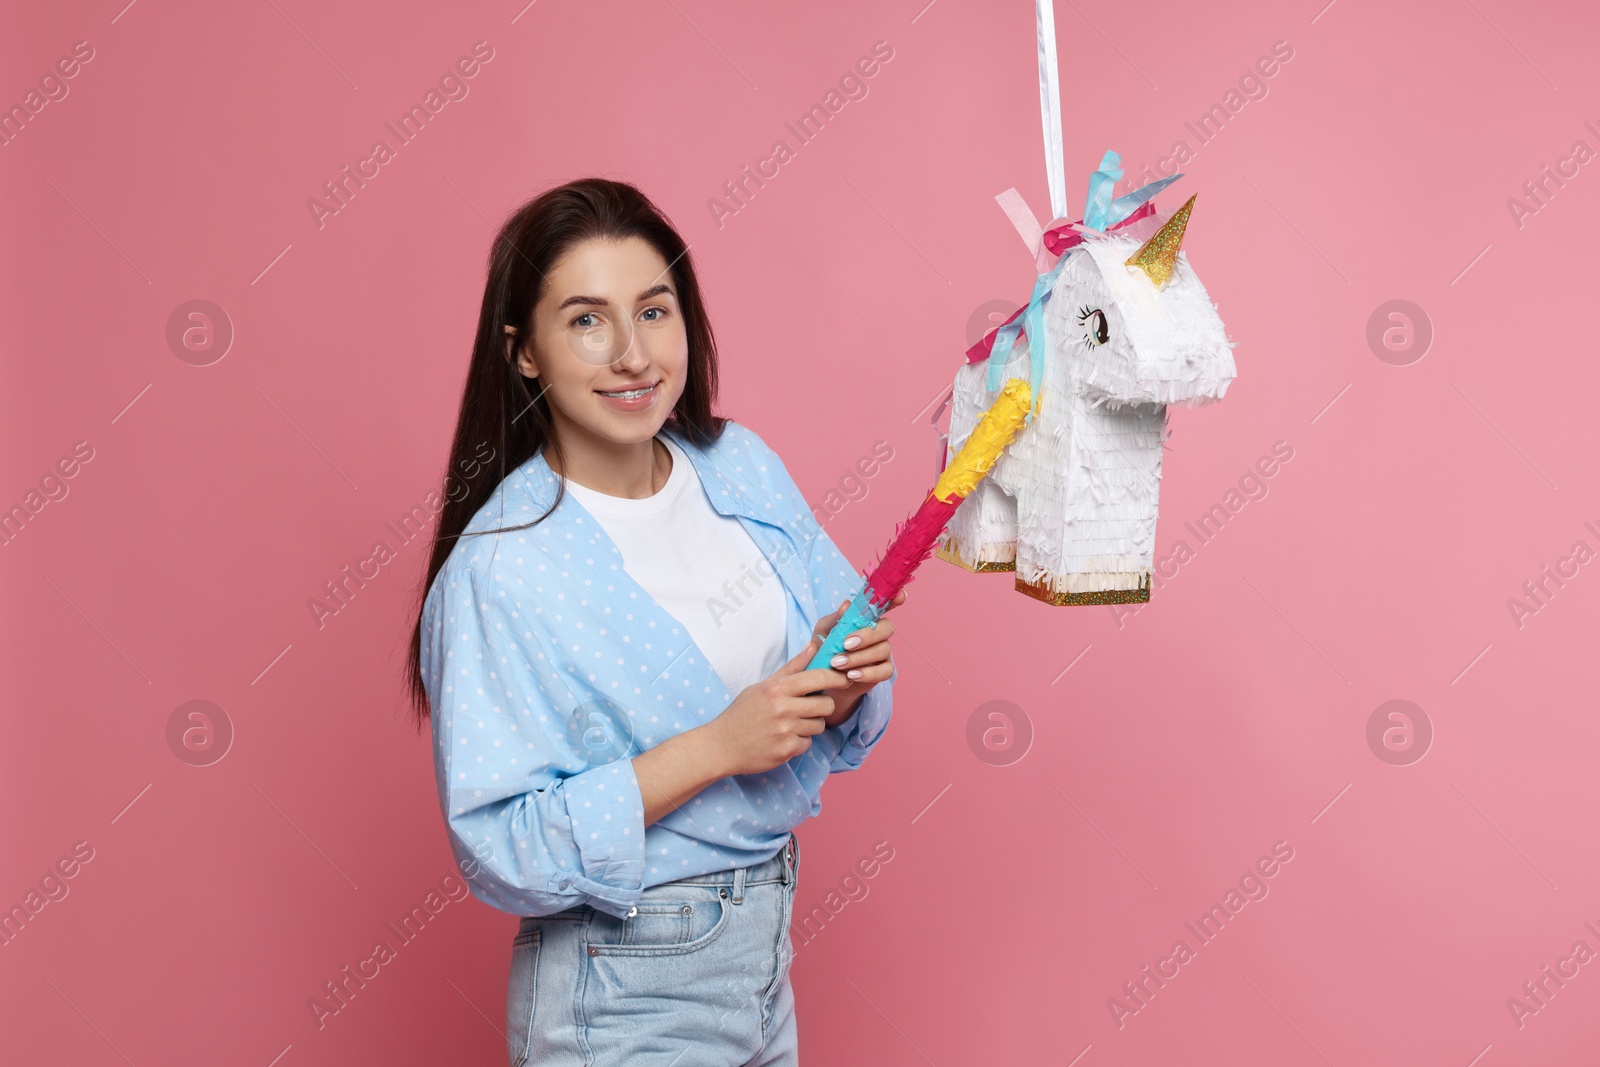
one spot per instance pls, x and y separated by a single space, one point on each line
774 720
865 663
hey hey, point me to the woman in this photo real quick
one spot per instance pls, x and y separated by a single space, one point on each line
613 646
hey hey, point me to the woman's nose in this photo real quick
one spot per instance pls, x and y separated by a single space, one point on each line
633 357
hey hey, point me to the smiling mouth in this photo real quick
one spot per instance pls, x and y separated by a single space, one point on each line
630 394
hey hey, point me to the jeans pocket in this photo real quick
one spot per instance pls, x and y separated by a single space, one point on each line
662 989
521 992
687 920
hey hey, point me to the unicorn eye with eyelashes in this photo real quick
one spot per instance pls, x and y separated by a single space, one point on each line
1095 329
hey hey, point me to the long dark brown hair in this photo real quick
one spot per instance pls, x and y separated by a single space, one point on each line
499 413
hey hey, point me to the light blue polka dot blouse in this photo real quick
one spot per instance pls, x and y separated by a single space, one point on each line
547 668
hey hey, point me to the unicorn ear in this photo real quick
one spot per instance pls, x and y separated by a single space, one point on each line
1157 256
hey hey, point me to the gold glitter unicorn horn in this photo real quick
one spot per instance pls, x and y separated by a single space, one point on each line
1157 256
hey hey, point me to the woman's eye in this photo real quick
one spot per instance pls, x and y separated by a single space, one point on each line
578 322
647 311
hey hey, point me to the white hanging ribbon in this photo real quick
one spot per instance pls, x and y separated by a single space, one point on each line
1050 107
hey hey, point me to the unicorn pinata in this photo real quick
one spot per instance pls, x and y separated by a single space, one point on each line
1118 329
1052 464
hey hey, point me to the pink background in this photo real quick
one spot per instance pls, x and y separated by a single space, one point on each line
1228 714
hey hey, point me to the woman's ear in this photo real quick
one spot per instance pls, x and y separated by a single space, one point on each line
523 360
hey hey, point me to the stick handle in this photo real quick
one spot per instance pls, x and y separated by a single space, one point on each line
860 613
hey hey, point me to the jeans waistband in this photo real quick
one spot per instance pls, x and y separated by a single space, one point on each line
779 867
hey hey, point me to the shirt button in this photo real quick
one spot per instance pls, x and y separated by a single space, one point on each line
566 885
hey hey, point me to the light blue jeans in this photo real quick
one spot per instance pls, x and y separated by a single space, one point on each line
697 976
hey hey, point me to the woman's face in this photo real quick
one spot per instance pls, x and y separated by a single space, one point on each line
608 322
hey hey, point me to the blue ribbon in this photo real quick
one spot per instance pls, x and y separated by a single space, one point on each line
1006 337
1101 183
1102 212
1124 205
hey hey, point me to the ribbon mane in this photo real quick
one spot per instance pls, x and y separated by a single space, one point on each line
1102 214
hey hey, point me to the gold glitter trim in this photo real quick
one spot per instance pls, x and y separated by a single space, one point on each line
1042 591
951 556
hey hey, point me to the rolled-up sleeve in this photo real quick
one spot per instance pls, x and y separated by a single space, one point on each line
862 730
535 828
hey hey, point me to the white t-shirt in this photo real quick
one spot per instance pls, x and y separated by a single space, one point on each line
702 567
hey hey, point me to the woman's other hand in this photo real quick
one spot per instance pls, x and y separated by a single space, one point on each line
866 660
774 720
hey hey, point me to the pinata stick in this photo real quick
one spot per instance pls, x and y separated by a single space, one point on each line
914 540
